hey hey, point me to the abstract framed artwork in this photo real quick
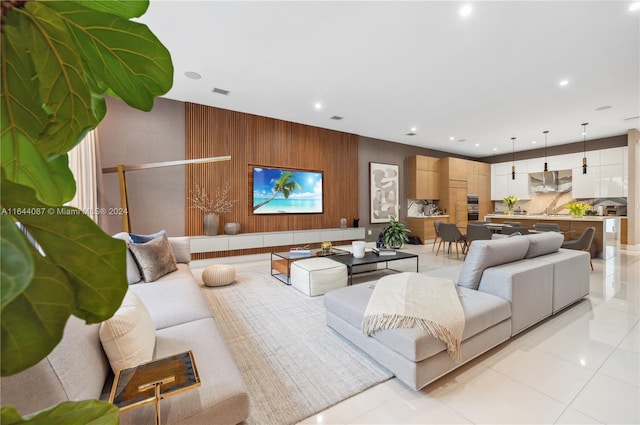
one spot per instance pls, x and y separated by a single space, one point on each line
383 192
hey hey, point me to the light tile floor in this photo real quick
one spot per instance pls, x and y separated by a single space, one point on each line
578 367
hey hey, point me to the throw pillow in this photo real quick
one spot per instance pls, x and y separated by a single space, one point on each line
544 243
146 238
155 258
129 336
133 273
488 253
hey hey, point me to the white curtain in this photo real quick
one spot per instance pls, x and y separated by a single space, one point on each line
82 162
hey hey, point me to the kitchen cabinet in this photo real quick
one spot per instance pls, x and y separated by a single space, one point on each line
503 185
585 185
423 226
423 177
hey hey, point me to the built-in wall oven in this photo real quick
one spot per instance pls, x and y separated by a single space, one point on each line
472 207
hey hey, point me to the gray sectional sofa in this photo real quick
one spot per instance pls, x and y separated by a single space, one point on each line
505 286
78 368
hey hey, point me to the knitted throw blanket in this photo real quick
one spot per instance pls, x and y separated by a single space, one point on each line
406 300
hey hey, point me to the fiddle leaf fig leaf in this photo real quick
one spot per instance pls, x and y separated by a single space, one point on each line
16 260
125 55
33 322
123 8
93 261
85 412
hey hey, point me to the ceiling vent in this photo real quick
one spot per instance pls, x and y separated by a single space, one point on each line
631 118
462 140
221 91
337 118
411 134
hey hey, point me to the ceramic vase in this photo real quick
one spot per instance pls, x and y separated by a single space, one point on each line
231 228
211 222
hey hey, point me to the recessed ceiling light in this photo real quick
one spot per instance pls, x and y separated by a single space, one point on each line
533 142
318 105
465 10
563 83
192 75
495 149
452 138
634 6
411 134
462 140
413 129
603 108
477 144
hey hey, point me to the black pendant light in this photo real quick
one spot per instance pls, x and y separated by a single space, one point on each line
546 167
584 147
513 158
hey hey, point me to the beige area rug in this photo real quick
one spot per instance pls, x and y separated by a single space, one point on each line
293 363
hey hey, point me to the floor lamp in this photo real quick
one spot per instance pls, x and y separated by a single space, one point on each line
122 169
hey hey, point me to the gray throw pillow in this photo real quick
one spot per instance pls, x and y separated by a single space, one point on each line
155 258
133 273
544 243
488 253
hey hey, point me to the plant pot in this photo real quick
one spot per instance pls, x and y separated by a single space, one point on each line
210 224
231 228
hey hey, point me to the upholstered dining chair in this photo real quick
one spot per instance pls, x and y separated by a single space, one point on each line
583 243
546 227
449 232
436 227
476 232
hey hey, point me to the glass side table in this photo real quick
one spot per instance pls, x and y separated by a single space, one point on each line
152 381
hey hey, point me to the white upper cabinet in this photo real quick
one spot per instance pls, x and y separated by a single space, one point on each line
585 185
613 156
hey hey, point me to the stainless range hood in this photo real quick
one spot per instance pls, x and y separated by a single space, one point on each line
554 181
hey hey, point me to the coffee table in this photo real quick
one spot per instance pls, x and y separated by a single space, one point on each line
281 261
371 258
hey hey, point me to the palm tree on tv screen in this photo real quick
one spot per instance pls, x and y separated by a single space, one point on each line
284 184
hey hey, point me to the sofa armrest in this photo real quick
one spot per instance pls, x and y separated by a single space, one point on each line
181 248
527 285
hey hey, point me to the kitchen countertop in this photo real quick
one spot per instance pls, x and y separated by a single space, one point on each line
517 217
428 216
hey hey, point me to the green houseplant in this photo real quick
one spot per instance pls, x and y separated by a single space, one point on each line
58 59
577 209
395 234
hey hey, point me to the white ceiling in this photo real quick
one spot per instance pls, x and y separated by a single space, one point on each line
389 66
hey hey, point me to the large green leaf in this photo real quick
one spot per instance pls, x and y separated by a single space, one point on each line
86 412
126 55
123 8
33 323
16 260
94 262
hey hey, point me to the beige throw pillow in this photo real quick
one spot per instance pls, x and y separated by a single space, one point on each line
129 337
155 258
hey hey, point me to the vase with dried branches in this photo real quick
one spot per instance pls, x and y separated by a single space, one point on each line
212 207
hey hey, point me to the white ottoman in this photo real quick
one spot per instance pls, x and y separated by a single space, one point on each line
316 276
218 275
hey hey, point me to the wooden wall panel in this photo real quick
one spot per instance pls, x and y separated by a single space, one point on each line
256 140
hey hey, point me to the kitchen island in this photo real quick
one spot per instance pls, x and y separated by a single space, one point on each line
606 238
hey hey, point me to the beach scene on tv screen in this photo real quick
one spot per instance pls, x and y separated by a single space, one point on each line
280 191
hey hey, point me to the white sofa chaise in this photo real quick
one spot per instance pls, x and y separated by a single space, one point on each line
78 368
506 286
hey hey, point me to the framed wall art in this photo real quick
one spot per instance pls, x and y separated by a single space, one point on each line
383 192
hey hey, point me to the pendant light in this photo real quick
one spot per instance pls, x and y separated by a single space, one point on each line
513 158
584 147
546 167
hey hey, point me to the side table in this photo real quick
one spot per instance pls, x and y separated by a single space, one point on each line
152 381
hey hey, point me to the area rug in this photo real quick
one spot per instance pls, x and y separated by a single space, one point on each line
293 363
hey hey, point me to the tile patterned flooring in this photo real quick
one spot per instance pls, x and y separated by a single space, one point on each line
578 367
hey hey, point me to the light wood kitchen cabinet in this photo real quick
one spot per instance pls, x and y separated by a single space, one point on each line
423 226
423 177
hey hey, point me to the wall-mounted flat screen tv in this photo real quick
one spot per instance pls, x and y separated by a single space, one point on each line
286 191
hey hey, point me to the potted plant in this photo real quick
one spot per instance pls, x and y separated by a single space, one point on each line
511 201
577 209
395 234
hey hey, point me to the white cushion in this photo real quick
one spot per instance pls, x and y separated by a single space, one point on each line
129 337
316 276
544 243
133 272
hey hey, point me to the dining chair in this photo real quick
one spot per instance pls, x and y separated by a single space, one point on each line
546 227
514 229
436 226
583 243
476 232
449 232
513 223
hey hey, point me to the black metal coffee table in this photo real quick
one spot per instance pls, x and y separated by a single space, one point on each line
371 258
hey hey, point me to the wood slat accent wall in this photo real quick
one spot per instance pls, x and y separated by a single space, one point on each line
257 140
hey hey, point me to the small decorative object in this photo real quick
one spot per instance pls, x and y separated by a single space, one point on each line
511 201
356 222
222 204
358 248
577 209
343 223
395 234
326 247
231 228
